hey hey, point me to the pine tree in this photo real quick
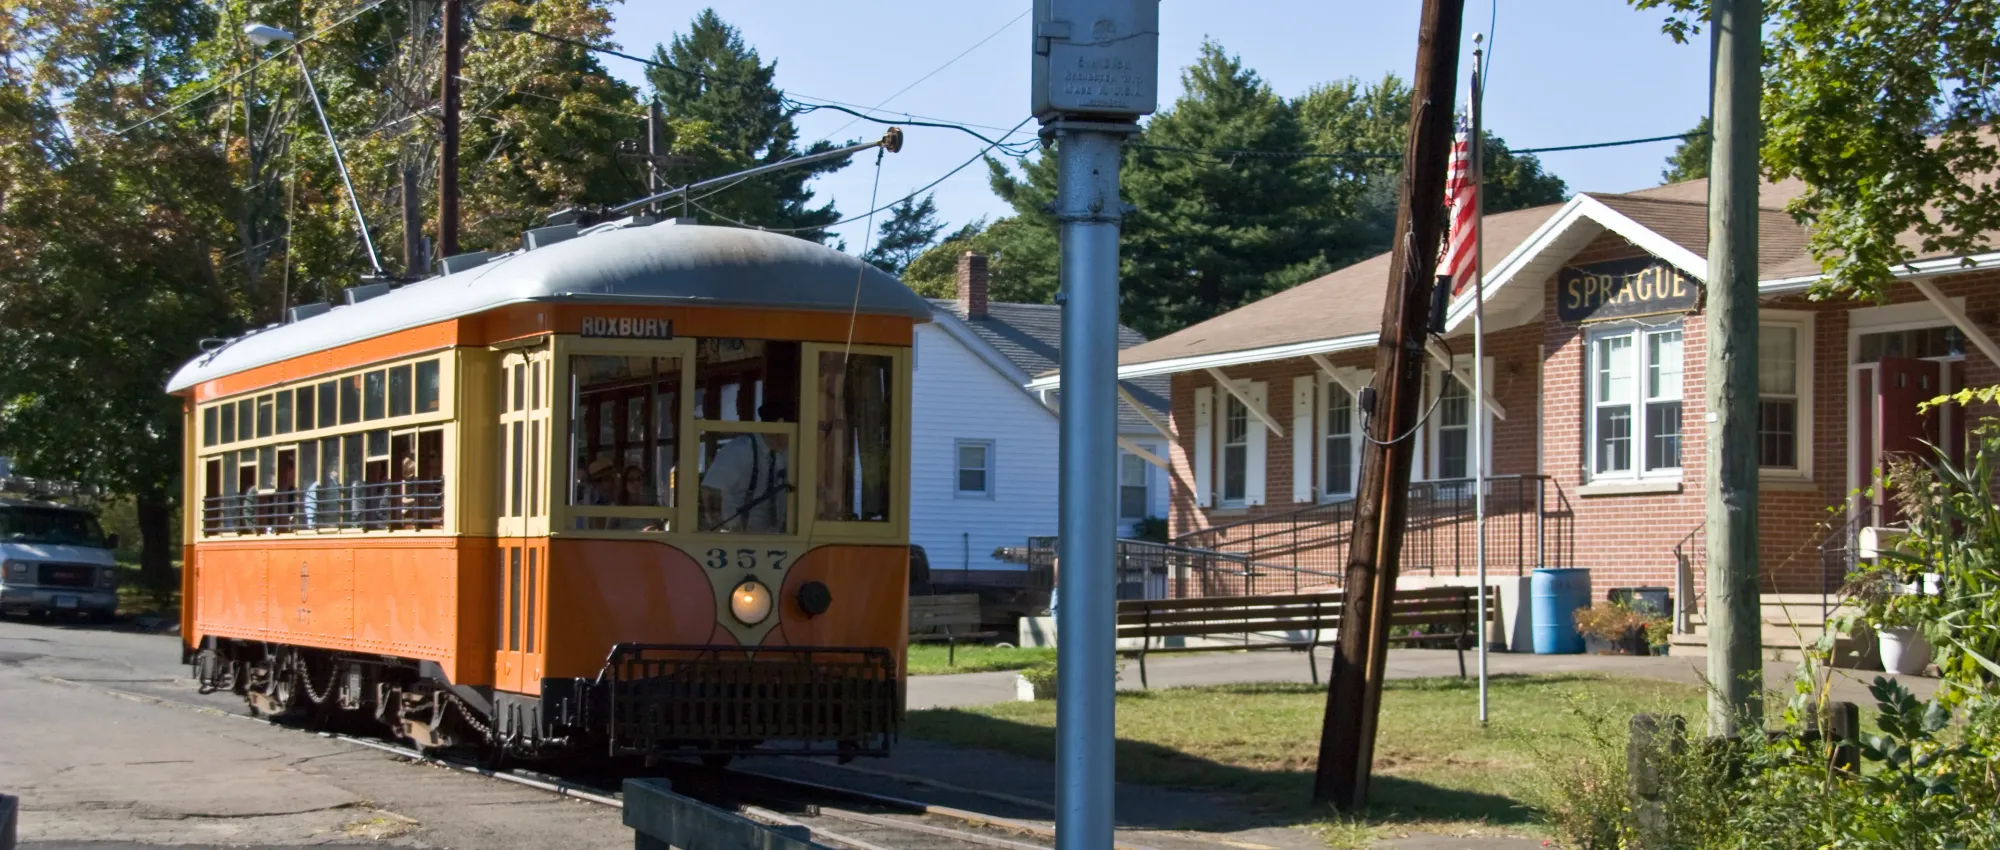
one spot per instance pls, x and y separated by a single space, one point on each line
912 227
719 87
1689 160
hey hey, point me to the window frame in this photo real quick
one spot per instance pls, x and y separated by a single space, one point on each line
958 469
1801 321
807 460
559 401
1323 415
1145 486
1639 335
1229 403
1442 378
308 436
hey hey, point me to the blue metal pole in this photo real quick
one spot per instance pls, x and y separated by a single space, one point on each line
1087 204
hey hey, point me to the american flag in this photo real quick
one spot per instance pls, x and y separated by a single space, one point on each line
1462 193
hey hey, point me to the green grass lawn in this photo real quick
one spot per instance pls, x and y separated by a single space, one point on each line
1435 768
928 659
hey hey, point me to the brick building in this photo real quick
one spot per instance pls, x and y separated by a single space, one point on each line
1594 368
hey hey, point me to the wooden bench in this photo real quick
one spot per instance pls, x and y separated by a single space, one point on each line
1436 614
946 618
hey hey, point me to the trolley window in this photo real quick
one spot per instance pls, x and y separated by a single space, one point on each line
390 476
747 397
857 409
624 436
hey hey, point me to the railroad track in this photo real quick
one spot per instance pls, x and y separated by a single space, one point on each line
835 817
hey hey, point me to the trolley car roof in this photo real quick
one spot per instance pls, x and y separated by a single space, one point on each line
660 265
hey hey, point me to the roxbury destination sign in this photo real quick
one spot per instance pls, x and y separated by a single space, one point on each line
1623 289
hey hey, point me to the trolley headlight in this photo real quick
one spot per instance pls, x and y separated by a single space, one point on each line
750 602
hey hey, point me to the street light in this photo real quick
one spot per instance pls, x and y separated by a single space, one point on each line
264 35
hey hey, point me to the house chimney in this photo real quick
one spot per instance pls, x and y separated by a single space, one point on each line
972 285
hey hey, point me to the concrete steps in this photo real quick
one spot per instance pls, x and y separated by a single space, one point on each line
1791 623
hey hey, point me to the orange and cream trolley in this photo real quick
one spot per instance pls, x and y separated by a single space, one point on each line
642 489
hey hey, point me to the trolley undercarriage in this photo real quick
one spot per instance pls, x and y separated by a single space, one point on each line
650 700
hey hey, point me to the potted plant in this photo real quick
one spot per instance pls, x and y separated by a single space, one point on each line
1895 610
1614 628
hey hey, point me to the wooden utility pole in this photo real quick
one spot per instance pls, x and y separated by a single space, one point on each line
1735 672
454 50
413 226
1354 686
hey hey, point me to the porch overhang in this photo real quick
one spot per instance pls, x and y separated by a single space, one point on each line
1205 362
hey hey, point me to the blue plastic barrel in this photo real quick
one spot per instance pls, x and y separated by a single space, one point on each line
1554 597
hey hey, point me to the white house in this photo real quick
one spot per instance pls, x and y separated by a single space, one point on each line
984 448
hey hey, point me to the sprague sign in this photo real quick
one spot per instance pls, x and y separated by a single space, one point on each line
1621 289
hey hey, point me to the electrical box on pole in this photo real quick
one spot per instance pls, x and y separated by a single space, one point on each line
1096 59
1096 72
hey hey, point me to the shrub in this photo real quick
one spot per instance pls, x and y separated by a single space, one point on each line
1923 783
1613 620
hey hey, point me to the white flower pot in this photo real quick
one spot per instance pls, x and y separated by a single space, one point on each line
1904 650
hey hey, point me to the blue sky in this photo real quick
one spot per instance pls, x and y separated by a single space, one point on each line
1563 72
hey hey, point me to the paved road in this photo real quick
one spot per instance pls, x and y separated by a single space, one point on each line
100 771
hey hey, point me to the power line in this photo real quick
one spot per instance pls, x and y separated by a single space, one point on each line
802 102
935 71
1226 153
213 87
925 188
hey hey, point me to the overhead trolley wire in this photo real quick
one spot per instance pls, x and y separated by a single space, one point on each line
925 188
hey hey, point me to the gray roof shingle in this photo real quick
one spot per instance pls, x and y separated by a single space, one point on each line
1030 336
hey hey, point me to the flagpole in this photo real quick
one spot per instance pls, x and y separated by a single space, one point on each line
1478 178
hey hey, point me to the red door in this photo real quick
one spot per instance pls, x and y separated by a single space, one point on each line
1902 384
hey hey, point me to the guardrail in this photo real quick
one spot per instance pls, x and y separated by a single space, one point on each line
661 819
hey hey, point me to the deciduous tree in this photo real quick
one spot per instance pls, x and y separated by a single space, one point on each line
1885 110
1689 161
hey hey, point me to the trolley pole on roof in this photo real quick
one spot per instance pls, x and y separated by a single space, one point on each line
448 104
1095 70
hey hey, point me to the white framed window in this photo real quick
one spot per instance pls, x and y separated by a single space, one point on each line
974 467
1235 452
1340 457
1784 393
1633 387
1454 427
1134 497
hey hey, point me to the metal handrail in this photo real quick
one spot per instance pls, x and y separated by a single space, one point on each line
1438 522
1685 600
384 505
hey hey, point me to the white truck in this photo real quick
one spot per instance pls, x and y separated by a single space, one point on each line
55 559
